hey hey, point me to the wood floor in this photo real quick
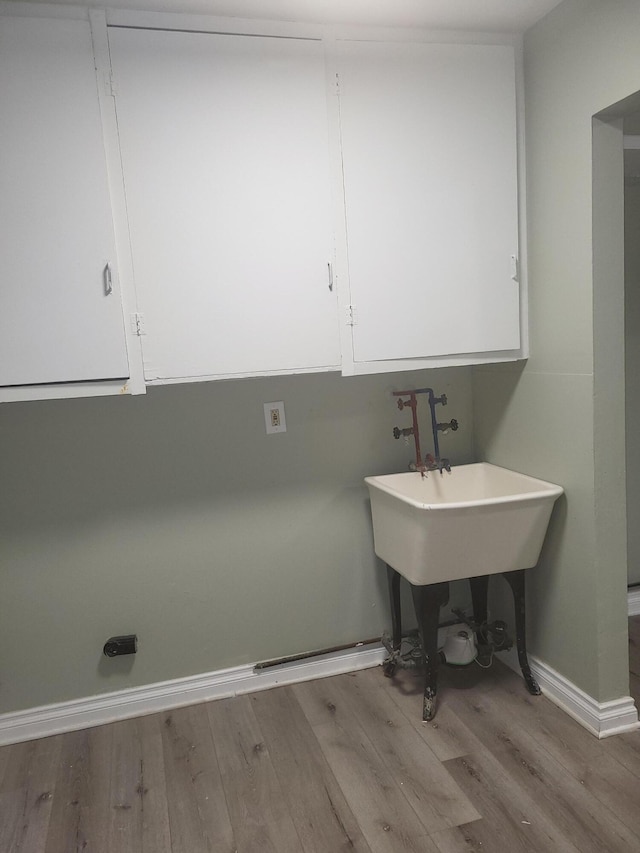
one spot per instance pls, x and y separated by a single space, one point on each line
339 764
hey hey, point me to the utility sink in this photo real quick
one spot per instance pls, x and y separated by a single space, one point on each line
479 519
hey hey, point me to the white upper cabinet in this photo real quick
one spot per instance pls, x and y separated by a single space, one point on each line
60 310
429 153
282 203
225 155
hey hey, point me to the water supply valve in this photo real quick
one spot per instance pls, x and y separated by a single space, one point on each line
450 425
398 433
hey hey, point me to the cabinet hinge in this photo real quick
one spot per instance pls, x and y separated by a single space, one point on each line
351 315
336 89
137 325
112 87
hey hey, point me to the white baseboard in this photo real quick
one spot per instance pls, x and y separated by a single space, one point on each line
633 599
601 718
77 714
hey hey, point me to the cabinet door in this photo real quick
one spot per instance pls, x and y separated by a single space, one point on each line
60 317
225 156
428 138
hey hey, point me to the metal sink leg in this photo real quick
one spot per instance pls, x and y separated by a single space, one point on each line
427 601
479 590
516 582
391 663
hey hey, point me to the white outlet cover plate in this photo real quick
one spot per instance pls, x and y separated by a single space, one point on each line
270 410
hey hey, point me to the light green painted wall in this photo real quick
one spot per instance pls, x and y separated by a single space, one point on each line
632 372
561 416
175 516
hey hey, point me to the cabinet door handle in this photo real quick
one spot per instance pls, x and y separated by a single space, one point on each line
108 281
330 271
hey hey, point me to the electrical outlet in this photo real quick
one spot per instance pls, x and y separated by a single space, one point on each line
274 418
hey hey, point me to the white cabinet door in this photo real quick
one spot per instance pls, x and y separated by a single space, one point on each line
428 138
225 157
60 317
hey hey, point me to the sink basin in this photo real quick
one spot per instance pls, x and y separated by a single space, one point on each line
478 520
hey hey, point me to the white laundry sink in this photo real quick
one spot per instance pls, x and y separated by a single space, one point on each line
478 520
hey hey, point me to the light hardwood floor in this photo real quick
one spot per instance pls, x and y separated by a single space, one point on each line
339 764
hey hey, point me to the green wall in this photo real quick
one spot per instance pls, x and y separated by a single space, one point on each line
561 416
175 516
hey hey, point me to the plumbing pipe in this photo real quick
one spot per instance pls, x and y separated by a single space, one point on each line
413 405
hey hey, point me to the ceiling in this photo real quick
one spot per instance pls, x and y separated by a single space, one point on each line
488 15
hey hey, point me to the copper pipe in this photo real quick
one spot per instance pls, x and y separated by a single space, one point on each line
413 405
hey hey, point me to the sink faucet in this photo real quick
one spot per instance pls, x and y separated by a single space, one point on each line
431 462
